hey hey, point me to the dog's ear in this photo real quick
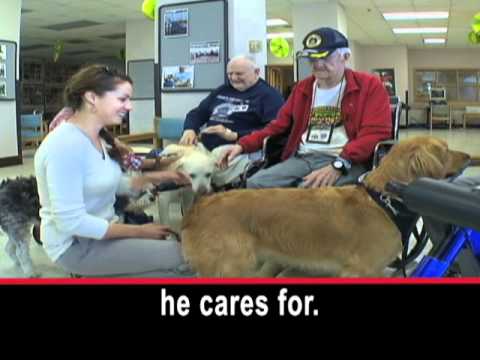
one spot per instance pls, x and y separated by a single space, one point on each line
428 160
202 148
173 150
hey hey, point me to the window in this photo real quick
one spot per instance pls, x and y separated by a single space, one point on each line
462 85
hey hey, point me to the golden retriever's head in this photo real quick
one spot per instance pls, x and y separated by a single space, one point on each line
197 162
424 156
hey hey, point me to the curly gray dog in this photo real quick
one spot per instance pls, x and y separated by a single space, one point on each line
19 211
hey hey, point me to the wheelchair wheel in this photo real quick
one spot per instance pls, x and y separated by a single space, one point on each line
418 242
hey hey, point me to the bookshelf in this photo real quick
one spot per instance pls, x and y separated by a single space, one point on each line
42 85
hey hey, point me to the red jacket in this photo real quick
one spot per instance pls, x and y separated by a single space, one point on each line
365 110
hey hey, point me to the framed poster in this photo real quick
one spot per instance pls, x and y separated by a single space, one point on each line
176 23
8 59
3 70
204 52
387 76
177 77
3 52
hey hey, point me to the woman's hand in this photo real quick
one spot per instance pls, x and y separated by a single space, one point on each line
221 131
178 177
145 231
154 231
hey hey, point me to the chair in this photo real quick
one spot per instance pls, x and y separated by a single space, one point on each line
32 129
440 112
167 129
396 109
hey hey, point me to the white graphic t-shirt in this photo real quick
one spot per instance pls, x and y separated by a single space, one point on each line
326 97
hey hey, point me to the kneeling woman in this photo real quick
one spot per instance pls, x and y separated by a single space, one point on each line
78 174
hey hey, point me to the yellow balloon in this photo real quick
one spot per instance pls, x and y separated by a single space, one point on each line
148 8
279 47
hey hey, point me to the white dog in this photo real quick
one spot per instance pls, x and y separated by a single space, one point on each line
197 162
200 165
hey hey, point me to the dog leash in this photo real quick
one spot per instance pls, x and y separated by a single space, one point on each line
402 217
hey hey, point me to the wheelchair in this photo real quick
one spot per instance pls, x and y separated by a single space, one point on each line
450 204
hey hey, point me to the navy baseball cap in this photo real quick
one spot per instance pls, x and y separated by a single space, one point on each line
320 43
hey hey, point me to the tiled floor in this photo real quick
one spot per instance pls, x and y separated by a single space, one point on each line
460 139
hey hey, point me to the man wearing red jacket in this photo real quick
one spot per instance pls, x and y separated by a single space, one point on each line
334 119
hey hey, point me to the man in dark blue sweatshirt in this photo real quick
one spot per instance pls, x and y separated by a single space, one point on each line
231 111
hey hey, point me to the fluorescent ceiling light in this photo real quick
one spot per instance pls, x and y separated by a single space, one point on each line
276 22
434 41
420 30
416 15
285 35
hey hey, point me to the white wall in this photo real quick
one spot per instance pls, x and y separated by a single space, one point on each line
9 30
378 57
140 45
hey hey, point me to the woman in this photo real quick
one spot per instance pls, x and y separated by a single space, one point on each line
78 174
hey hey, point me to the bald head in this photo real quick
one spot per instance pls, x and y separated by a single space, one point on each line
242 72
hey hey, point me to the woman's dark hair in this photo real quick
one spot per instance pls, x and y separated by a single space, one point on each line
96 78
99 79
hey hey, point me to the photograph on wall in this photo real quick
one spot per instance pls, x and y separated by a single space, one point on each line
176 23
3 70
3 88
3 52
387 76
205 52
178 77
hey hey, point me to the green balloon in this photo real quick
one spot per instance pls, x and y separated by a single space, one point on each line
474 38
476 23
279 47
148 8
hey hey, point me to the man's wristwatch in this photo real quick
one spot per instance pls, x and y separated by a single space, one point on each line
341 165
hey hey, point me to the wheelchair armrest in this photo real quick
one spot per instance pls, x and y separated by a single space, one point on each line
381 149
273 148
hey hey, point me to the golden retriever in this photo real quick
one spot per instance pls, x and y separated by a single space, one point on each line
336 230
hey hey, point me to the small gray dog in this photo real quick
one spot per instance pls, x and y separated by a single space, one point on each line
19 211
19 206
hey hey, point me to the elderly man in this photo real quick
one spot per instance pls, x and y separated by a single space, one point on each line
231 111
335 118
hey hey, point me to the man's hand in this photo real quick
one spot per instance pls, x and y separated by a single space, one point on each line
189 137
221 131
229 155
325 176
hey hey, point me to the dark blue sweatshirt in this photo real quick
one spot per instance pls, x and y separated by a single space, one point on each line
240 111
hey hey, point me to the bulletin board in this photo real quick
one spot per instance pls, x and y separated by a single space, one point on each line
142 74
8 70
193 46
